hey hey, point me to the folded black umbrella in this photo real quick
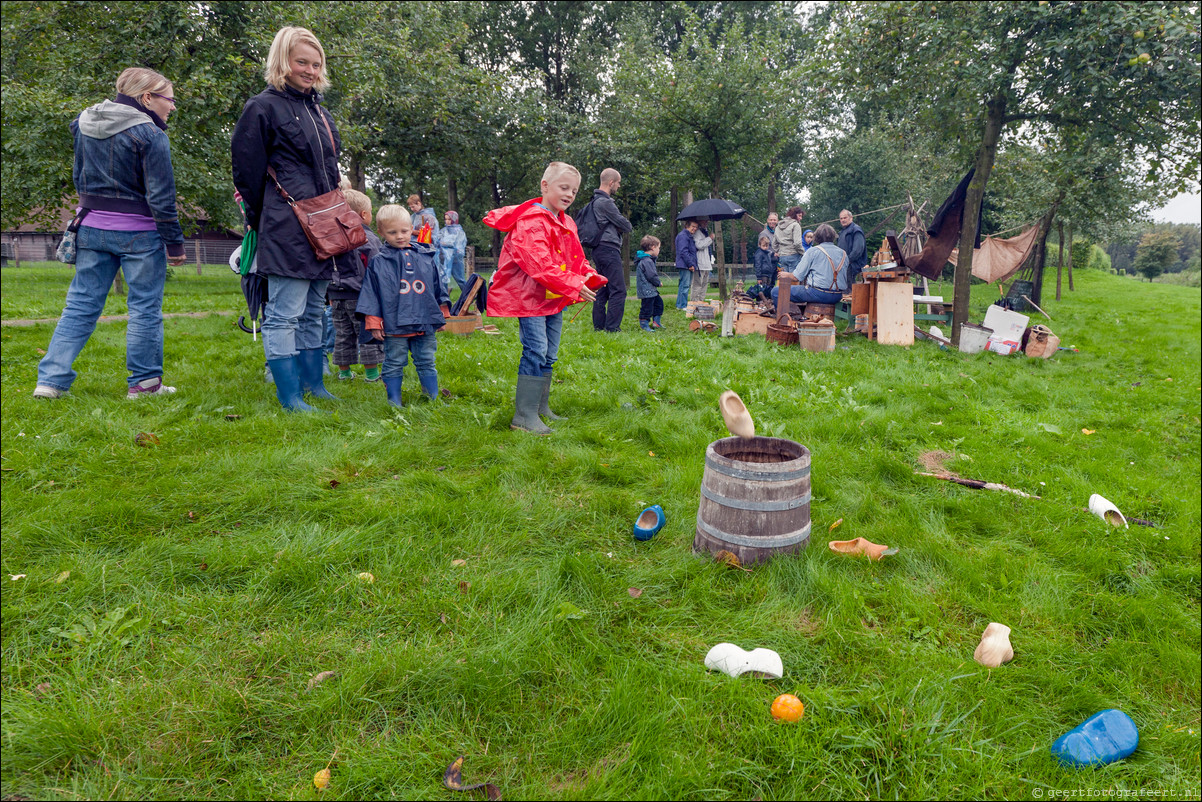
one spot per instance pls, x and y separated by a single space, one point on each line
254 288
711 209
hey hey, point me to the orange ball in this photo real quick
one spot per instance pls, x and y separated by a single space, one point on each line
788 707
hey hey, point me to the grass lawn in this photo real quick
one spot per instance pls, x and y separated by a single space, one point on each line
170 602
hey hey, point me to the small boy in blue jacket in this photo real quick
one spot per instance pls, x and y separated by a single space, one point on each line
765 265
647 283
403 303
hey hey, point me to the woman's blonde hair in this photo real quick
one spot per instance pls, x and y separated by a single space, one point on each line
393 213
137 81
556 169
276 71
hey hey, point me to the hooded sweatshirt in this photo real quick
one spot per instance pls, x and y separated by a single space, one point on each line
123 171
789 237
542 265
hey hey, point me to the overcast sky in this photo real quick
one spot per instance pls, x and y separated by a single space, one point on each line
1181 209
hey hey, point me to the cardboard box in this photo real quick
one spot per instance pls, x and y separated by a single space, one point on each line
1008 328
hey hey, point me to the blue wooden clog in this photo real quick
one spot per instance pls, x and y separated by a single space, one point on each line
649 522
1103 738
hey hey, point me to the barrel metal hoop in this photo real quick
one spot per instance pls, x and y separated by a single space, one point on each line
775 541
758 506
759 476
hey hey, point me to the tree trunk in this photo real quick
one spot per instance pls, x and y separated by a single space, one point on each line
496 200
771 194
1070 257
1059 257
720 264
986 154
356 176
452 194
626 243
1041 247
673 209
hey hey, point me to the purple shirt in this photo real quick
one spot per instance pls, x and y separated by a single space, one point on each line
118 221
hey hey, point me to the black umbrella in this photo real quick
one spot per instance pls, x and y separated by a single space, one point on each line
711 209
254 287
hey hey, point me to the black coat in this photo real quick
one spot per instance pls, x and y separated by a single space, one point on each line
284 130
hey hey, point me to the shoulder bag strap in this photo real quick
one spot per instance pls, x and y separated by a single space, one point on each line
283 192
321 113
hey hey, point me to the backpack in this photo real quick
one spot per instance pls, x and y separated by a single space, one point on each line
588 227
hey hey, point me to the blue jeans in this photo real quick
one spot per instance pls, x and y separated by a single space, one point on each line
293 320
327 329
682 290
142 259
397 351
801 295
790 261
540 343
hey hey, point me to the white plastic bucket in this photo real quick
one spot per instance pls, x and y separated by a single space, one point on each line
973 338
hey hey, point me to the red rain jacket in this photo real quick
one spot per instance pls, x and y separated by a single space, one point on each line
542 265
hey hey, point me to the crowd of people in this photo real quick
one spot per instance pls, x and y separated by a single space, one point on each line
384 300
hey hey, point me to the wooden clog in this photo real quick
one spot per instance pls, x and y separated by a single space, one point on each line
860 546
734 412
994 648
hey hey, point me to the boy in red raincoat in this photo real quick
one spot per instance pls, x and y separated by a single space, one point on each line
541 270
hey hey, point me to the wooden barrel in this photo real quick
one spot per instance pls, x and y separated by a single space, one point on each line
755 498
816 336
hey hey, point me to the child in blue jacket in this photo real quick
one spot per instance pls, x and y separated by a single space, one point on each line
403 303
647 283
765 265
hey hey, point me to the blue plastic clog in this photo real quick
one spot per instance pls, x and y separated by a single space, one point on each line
1102 738
649 522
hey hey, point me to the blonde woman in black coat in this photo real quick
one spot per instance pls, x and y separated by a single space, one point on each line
286 128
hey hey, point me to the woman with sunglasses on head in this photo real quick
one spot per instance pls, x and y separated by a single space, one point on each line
128 222
286 129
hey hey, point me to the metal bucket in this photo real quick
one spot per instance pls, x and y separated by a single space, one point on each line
973 338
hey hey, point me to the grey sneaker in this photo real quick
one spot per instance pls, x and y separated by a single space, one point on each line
150 387
45 391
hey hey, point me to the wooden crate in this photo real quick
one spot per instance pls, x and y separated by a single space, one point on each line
752 323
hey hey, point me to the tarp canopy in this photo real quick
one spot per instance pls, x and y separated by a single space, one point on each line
999 259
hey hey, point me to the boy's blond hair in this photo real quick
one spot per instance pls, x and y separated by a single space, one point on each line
276 70
393 213
556 169
765 241
648 242
358 202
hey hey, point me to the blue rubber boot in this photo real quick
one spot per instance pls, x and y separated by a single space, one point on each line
392 386
644 325
429 384
287 384
311 361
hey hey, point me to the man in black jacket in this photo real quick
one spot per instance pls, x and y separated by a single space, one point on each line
851 240
611 299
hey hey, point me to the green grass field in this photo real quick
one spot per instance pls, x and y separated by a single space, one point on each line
166 605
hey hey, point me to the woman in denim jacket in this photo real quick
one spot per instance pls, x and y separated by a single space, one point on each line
285 128
126 189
